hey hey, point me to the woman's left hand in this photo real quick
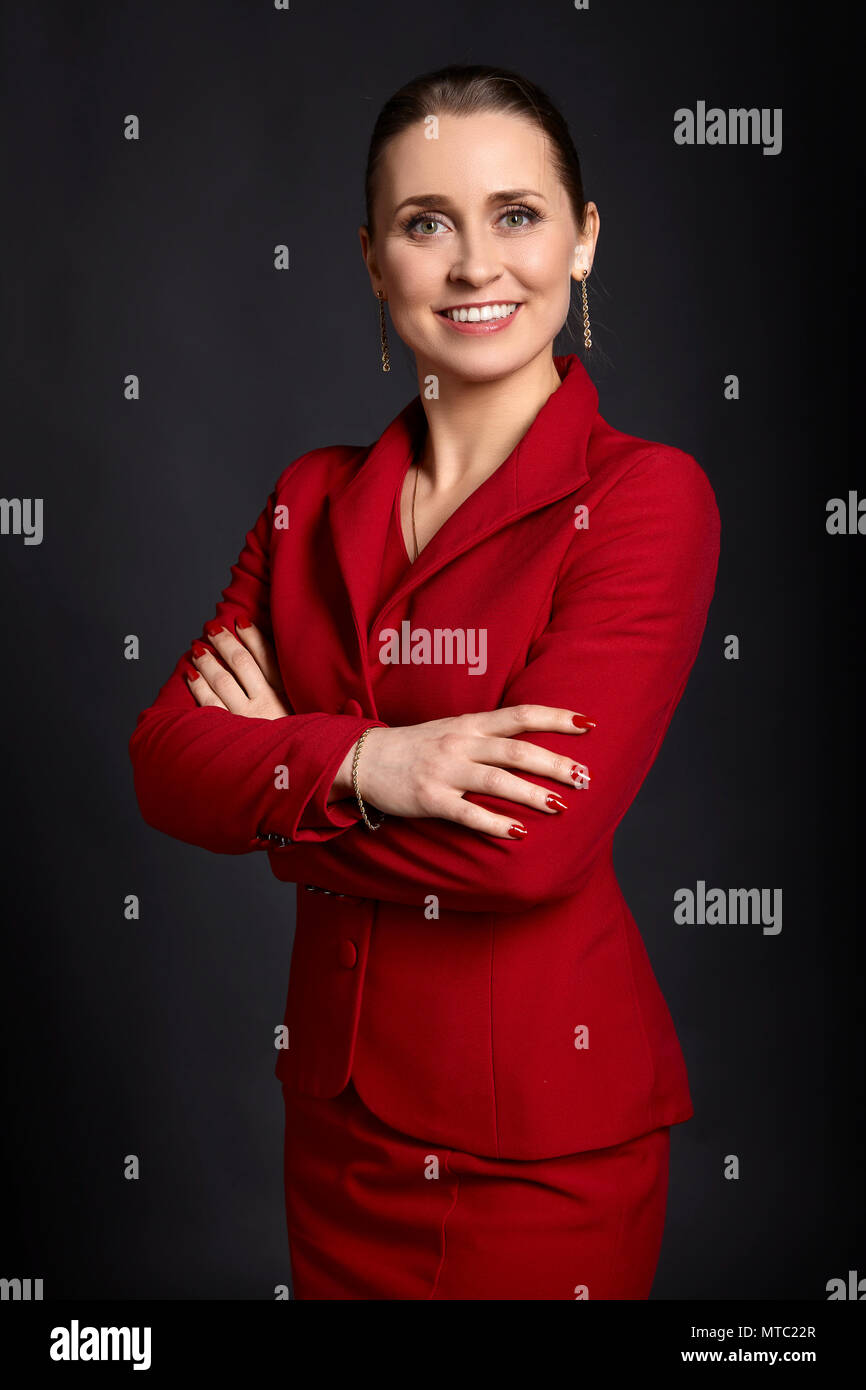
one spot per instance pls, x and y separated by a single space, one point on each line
249 683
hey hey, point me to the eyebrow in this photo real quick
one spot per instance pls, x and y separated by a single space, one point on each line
503 196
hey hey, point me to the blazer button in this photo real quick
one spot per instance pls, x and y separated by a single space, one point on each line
347 954
274 836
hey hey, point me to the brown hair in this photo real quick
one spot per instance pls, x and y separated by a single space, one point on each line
461 90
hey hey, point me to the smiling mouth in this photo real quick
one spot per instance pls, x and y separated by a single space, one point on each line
480 313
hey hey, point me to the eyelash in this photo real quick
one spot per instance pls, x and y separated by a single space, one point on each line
431 215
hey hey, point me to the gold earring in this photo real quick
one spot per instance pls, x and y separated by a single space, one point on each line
386 360
587 338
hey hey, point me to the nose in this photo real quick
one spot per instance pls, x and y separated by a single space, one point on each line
476 259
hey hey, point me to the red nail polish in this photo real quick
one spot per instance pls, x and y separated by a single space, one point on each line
581 721
517 831
556 802
214 626
193 675
580 772
198 649
243 622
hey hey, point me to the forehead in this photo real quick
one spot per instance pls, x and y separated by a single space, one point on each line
468 157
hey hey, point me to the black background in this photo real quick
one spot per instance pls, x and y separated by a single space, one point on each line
155 257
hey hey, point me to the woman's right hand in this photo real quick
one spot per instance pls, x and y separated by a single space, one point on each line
424 769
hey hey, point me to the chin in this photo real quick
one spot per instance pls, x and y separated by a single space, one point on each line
489 362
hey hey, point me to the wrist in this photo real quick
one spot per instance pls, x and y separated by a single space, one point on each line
342 785
356 784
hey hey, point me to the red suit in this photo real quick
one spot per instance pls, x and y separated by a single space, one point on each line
491 997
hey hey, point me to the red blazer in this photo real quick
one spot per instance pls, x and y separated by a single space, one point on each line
492 995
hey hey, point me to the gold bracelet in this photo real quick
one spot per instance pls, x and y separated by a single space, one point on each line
371 825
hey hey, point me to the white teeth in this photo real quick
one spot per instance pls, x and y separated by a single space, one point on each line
476 315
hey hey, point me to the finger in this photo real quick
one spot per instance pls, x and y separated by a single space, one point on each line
242 664
477 818
256 642
495 781
202 691
514 719
220 680
514 752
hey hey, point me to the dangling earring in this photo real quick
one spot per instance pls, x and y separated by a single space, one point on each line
587 338
386 360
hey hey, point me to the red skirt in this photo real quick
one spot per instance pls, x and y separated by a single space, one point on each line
373 1213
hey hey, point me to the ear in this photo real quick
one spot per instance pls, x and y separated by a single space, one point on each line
370 257
579 263
584 251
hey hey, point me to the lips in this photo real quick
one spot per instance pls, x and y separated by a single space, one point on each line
483 310
481 319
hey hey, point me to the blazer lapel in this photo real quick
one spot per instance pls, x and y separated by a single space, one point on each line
548 463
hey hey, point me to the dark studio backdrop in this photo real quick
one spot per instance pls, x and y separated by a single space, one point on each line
155 257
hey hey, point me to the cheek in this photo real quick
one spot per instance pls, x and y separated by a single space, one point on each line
542 270
414 276
551 302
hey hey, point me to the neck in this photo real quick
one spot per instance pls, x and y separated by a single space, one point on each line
474 425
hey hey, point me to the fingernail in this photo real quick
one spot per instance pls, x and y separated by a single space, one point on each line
581 722
193 675
214 626
517 831
243 622
556 802
198 649
580 772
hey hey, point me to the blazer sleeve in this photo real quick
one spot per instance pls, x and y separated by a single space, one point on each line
229 783
627 617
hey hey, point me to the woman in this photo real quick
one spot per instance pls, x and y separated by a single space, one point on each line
478 1067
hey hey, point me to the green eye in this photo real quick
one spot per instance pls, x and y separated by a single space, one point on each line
432 219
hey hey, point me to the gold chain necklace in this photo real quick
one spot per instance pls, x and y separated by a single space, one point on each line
414 532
